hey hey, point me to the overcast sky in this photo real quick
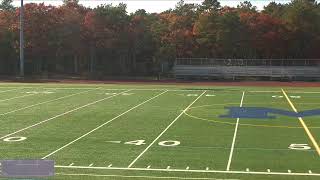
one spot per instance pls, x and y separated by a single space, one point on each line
151 5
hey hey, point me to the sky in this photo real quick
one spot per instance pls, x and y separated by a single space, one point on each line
151 6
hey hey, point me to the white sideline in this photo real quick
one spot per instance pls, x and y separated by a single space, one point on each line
191 171
234 136
16 97
86 134
8 90
146 149
68 112
147 177
299 92
138 89
63 97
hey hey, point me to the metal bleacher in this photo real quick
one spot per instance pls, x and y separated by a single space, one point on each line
226 68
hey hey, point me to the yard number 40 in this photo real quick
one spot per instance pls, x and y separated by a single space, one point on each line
299 146
162 143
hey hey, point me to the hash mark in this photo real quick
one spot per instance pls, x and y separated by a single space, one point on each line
247 169
187 168
110 165
148 167
168 167
71 164
91 165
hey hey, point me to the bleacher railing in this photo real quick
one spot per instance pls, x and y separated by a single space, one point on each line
247 62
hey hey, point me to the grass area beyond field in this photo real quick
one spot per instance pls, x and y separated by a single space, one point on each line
95 131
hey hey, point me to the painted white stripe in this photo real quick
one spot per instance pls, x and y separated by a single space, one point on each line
234 136
247 169
149 167
310 172
110 165
192 171
268 170
138 89
298 92
289 171
147 177
86 134
264 91
49 101
156 139
20 87
187 168
71 164
303 92
3 100
68 112
91 165
8 90
207 169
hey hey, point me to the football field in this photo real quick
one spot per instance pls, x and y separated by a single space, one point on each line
114 131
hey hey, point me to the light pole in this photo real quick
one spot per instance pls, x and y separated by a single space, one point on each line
21 41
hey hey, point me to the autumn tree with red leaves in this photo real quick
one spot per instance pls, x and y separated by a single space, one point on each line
106 40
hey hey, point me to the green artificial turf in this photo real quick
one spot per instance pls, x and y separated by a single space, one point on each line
148 131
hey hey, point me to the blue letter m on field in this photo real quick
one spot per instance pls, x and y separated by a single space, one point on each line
263 113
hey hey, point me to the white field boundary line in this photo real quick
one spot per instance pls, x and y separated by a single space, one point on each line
17 87
156 139
8 90
305 127
140 89
65 113
234 136
161 89
145 177
17 97
191 170
299 92
107 122
49 101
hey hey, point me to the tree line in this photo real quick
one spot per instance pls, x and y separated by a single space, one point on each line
106 40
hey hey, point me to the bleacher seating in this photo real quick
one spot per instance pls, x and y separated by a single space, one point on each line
201 71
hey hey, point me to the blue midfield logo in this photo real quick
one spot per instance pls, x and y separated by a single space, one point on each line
263 113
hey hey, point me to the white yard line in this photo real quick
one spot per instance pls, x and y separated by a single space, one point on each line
68 112
63 97
16 97
86 134
191 171
234 136
146 177
146 149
